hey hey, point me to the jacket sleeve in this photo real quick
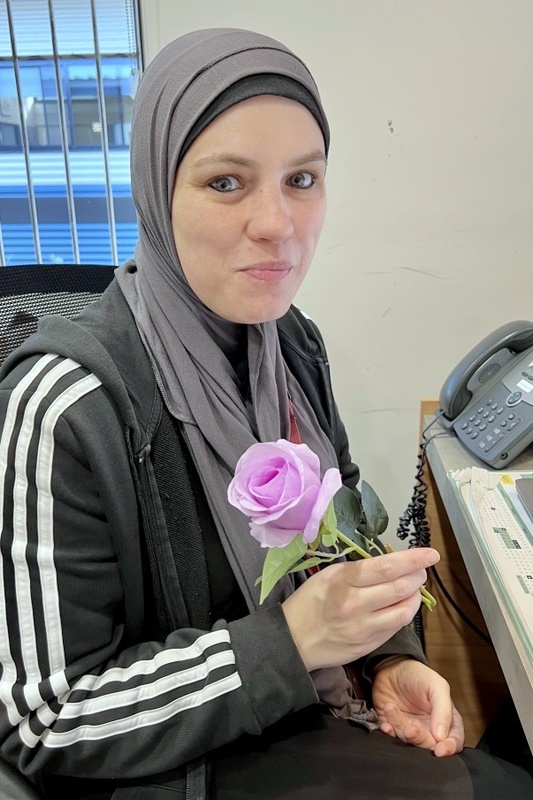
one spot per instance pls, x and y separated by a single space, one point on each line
81 692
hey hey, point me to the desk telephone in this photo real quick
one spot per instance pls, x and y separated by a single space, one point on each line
488 398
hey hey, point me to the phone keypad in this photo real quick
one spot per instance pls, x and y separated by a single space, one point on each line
489 424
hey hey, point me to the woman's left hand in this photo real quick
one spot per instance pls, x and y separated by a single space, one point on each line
414 703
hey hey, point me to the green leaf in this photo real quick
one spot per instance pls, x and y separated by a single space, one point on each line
329 539
376 517
330 520
278 562
348 510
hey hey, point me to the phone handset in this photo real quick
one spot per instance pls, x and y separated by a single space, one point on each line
456 393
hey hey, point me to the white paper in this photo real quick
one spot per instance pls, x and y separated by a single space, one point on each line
505 535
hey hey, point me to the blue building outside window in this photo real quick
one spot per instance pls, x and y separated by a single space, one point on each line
68 70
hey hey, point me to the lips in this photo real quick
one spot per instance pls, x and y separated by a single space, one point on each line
268 272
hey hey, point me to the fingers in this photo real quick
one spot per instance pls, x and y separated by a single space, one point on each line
441 707
446 722
386 606
454 742
448 747
387 728
388 617
356 606
390 566
398 724
400 595
399 589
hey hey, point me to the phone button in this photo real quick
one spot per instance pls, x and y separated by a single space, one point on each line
514 398
489 442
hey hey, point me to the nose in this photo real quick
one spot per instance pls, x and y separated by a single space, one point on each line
270 215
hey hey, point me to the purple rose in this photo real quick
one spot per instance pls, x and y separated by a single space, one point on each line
277 485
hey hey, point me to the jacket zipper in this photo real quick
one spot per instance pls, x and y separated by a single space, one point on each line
165 617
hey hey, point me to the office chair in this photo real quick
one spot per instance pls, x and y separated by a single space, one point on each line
27 293
30 291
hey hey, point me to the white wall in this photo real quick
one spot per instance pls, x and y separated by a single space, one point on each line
429 239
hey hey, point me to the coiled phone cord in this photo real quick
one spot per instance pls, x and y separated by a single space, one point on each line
415 516
415 513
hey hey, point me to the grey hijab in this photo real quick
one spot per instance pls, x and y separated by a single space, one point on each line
189 344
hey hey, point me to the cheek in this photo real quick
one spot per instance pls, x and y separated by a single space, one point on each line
312 225
197 241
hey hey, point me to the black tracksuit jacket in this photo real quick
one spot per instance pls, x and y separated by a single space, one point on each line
87 688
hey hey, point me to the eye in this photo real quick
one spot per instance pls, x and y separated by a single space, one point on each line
225 183
302 180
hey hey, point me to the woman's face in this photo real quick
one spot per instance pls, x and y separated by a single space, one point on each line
248 207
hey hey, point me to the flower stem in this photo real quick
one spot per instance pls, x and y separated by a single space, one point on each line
428 598
354 547
327 556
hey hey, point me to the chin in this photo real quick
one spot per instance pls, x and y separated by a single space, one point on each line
270 314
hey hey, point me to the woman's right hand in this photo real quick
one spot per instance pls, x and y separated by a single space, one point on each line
349 609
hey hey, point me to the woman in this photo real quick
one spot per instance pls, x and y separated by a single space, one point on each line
136 660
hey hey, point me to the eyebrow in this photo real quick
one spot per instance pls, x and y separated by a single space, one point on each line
232 158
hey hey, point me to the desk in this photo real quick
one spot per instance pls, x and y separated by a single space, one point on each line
478 673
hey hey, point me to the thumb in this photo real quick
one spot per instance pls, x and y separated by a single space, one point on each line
441 711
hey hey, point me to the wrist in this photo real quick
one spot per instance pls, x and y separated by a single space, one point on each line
389 661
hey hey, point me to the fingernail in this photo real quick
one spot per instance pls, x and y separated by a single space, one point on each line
433 557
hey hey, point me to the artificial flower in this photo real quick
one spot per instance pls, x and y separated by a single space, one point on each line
278 485
305 520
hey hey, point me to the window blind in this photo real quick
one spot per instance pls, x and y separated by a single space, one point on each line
68 69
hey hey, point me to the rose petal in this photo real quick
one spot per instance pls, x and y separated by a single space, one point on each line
302 452
255 509
268 486
269 536
293 515
277 485
331 483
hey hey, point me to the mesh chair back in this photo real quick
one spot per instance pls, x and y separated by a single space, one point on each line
30 291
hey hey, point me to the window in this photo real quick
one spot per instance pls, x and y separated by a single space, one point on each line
68 70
